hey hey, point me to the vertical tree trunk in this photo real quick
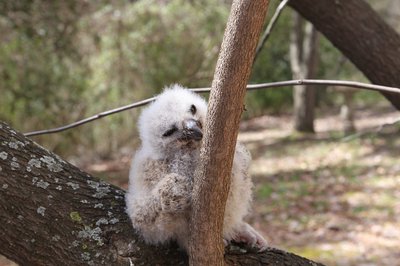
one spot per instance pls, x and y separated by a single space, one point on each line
212 177
347 111
304 42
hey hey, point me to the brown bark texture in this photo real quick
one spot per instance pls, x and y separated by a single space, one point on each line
212 176
52 213
361 35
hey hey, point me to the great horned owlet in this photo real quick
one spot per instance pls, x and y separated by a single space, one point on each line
161 175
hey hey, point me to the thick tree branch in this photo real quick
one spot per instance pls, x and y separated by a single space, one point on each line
361 35
52 213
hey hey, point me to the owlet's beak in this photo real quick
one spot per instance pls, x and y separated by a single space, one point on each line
192 130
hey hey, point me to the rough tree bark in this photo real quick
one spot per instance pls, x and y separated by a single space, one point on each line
361 35
304 42
52 213
213 174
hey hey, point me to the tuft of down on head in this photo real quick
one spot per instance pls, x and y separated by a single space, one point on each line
163 126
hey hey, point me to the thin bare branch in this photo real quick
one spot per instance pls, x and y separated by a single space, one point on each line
270 27
297 82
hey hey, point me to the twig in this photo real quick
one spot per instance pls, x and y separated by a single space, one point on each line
90 119
298 82
270 27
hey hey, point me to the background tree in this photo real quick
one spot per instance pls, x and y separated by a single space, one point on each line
354 22
304 43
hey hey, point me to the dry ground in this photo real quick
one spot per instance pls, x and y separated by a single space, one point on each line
327 198
321 196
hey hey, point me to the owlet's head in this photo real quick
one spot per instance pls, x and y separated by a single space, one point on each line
174 121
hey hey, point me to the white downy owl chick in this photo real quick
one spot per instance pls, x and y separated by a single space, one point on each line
161 175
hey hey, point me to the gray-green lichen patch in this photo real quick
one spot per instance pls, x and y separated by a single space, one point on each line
75 216
91 234
14 164
33 163
84 201
59 187
101 221
114 221
51 164
101 188
42 184
5 186
3 155
98 205
120 192
74 186
16 144
106 221
41 210
56 238
85 256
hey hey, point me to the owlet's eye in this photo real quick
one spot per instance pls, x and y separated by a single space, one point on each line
170 131
193 109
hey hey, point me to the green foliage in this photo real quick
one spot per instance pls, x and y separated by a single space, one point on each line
62 61
41 75
152 44
143 47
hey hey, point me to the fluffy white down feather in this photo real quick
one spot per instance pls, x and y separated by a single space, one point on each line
161 174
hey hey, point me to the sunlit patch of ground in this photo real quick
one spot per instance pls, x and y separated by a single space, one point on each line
325 198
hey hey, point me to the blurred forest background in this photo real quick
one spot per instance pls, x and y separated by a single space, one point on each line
65 60
61 61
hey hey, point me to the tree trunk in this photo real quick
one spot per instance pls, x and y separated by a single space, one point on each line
347 110
52 213
361 35
304 43
213 174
